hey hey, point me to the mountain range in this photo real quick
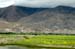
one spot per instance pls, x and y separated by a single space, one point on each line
60 19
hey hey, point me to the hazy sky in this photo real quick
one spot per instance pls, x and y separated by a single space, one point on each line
37 3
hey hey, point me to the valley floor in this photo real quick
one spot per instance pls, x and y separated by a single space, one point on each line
41 41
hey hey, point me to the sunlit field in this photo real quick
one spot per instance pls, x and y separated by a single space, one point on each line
39 41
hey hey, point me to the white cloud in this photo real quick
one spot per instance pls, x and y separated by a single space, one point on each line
6 3
37 3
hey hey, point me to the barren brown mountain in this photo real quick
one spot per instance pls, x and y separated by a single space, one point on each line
60 19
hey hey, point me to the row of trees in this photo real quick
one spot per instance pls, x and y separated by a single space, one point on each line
33 33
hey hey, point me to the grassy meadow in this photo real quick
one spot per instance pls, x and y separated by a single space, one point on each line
40 41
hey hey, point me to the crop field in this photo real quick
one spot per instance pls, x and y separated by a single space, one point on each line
41 41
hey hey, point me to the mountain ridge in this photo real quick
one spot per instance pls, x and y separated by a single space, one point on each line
41 19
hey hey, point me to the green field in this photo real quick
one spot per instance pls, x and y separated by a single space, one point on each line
40 41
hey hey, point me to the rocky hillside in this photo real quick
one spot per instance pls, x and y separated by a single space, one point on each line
14 13
60 19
